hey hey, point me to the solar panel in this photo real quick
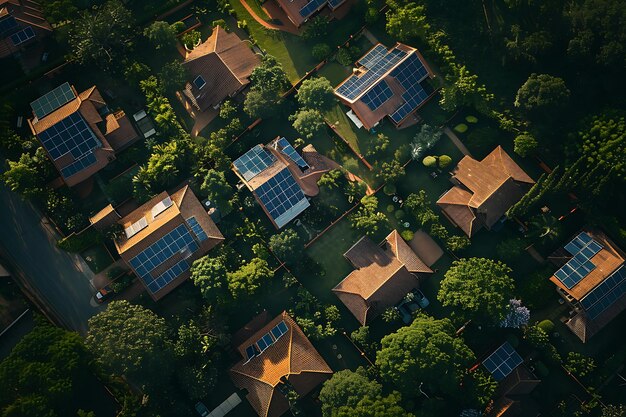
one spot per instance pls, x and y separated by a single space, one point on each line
78 165
378 95
22 36
136 227
583 248
7 24
503 361
254 162
197 229
199 82
282 197
356 85
373 56
70 135
335 3
605 294
410 73
311 7
286 148
251 352
279 330
177 241
52 100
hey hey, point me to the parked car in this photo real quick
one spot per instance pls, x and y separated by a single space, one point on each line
201 409
421 299
104 294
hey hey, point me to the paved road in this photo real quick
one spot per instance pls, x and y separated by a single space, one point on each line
61 280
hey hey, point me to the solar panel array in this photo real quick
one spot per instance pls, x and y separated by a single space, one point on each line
52 100
7 24
379 94
373 56
410 74
379 66
580 265
78 165
197 229
280 194
178 240
168 276
503 361
254 162
22 36
335 3
288 150
267 340
311 7
605 294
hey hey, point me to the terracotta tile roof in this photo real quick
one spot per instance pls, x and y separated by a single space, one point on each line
225 63
485 191
292 9
380 278
291 358
184 205
105 217
119 131
26 13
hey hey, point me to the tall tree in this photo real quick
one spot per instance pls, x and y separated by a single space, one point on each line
247 280
161 34
346 388
407 21
542 91
164 168
209 274
218 190
316 93
287 245
478 289
308 122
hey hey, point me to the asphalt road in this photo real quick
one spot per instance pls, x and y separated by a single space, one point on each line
62 281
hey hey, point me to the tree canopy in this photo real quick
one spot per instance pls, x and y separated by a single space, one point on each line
542 91
308 122
316 93
287 245
161 34
478 289
248 278
218 190
209 274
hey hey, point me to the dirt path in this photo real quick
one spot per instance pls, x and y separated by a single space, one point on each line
457 142
265 24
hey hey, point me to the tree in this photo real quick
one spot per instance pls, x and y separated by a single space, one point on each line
164 167
316 93
380 406
368 219
330 179
209 274
248 278
456 243
227 110
425 352
346 388
161 34
59 11
464 90
103 35
287 245
579 364
425 139
614 411
517 316
218 190
27 175
419 206
315 28
40 373
259 104
525 144
542 91
391 171
130 340
540 340
173 76
269 77
406 22
321 51
478 288
307 122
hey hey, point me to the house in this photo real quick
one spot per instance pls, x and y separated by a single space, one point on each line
277 359
280 179
162 238
483 191
386 83
21 24
381 278
592 280
299 11
219 68
515 383
79 132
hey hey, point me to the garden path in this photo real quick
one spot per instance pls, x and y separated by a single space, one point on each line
267 25
457 142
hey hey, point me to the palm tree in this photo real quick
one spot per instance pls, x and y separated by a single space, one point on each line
545 227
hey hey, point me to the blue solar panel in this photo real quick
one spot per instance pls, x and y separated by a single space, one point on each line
379 94
70 135
22 36
288 150
7 24
254 162
78 165
356 85
197 229
410 73
282 197
251 352
52 100
503 361
583 248
335 3
311 7
279 330
373 56
605 294
178 240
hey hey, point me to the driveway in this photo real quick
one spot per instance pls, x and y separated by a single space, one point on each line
62 281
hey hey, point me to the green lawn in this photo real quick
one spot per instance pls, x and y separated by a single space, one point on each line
97 258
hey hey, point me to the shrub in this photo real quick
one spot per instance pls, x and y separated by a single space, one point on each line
547 326
461 128
191 38
219 22
400 214
471 119
407 235
344 57
525 144
444 161
389 189
321 51
80 242
429 161
390 208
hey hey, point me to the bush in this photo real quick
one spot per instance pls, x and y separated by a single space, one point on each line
407 235
389 189
429 161
191 38
346 56
79 242
444 161
321 51
525 144
547 326
391 208
122 283
400 214
471 119
461 128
